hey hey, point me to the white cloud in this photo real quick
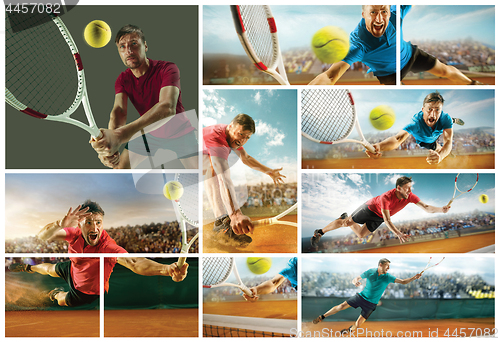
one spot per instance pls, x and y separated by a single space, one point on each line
273 136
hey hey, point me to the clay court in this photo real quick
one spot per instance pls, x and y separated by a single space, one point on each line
275 238
281 309
477 161
422 328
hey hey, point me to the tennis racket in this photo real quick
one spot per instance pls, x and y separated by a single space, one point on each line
216 271
44 70
257 31
329 116
186 210
464 182
429 265
276 219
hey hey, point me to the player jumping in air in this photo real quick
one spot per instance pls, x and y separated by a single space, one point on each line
426 127
373 42
377 280
369 216
219 140
83 229
154 89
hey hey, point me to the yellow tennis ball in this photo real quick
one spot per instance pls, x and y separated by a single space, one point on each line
97 34
483 198
259 265
330 44
382 117
173 190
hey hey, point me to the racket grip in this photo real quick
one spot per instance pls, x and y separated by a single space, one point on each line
450 202
181 262
369 147
264 222
247 291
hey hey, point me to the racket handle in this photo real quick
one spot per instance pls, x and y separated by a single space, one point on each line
181 262
247 291
450 202
369 146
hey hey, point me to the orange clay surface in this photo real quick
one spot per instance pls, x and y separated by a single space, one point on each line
280 309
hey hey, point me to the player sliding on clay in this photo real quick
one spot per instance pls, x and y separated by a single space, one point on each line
426 127
377 280
83 229
219 140
373 42
370 215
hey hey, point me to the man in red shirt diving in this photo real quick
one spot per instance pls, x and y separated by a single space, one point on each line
154 89
83 229
218 142
369 216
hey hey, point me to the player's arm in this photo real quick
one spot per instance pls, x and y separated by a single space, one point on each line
432 209
148 267
435 157
408 280
264 288
256 165
357 281
54 231
332 75
241 224
388 144
387 219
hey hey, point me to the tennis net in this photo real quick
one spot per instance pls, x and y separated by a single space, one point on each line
236 326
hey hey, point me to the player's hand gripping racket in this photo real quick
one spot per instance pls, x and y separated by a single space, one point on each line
329 116
186 210
276 219
44 71
216 272
257 31
429 265
464 183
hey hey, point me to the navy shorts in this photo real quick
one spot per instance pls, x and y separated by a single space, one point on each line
367 307
73 297
431 146
363 215
419 61
147 145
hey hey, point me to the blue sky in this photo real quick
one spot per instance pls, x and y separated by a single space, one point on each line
450 23
357 264
34 200
278 263
326 196
274 143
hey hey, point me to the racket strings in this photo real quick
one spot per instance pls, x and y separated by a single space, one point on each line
188 203
466 181
40 68
216 270
258 32
327 114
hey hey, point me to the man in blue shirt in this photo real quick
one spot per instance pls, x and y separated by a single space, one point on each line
373 42
426 127
377 280
289 272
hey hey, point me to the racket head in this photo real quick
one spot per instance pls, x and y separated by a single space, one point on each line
216 270
327 115
256 28
187 205
465 182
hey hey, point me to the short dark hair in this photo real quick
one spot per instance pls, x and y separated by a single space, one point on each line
403 180
245 121
434 97
128 29
94 207
384 261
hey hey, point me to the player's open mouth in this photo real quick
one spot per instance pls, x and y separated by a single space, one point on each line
93 237
378 27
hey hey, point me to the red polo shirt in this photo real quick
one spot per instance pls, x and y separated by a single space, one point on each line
215 141
389 201
85 271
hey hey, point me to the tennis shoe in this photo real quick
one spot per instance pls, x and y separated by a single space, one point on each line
348 330
223 230
20 268
458 121
475 82
318 319
318 233
54 292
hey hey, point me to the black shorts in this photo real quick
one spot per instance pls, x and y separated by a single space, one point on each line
363 215
431 146
419 61
74 297
387 80
367 307
147 145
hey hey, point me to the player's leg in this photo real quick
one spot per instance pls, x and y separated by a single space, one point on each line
449 72
45 269
358 323
58 294
332 311
338 223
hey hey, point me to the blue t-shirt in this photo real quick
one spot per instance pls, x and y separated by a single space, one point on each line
406 49
290 272
378 53
375 285
423 133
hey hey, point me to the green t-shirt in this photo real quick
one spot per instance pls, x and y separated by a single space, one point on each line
375 285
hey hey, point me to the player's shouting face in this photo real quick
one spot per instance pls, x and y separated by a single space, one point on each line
132 50
404 190
432 112
376 18
236 136
92 229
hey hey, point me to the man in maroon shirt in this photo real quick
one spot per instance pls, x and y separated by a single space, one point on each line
154 89
83 229
369 216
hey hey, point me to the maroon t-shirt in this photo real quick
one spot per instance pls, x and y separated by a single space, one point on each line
215 141
144 93
389 201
